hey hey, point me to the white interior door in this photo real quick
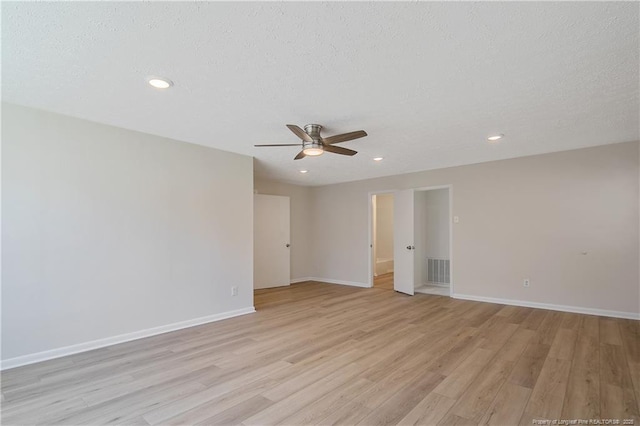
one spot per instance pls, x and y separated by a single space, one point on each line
403 244
271 253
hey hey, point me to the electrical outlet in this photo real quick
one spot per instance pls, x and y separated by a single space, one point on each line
526 282
234 291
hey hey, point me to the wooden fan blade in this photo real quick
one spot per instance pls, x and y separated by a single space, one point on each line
339 150
299 133
283 144
300 155
344 137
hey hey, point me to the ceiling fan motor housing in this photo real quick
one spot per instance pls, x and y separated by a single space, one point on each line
313 130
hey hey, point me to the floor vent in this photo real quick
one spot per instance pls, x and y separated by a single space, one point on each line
438 270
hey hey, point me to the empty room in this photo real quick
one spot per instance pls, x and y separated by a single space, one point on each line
320 213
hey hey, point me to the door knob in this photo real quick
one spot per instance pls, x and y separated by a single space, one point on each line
287 245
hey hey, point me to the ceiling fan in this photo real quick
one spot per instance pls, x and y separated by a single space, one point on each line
313 144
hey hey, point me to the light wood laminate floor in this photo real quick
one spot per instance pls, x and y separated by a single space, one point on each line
330 354
384 281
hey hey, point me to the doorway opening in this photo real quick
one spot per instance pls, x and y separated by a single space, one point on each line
432 236
422 240
382 264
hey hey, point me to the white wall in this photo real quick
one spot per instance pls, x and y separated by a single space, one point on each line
431 227
420 238
107 231
384 233
301 210
437 223
529 217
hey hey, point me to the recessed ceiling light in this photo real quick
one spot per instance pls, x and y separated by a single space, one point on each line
304 171
160 82
494 138
377 159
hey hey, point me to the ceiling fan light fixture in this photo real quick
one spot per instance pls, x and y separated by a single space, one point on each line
312 149
304 171
313 152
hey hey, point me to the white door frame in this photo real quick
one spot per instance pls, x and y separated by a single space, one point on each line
450 188
371 225
424 188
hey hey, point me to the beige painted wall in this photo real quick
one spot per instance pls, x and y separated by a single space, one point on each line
301 210
107 231
528 217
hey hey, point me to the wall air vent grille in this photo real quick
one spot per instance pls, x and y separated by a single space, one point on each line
438 271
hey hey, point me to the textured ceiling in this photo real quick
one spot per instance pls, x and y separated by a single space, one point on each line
427 81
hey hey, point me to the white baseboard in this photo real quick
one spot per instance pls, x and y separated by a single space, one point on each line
551 307
114 340
330 281
271 286
437 284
